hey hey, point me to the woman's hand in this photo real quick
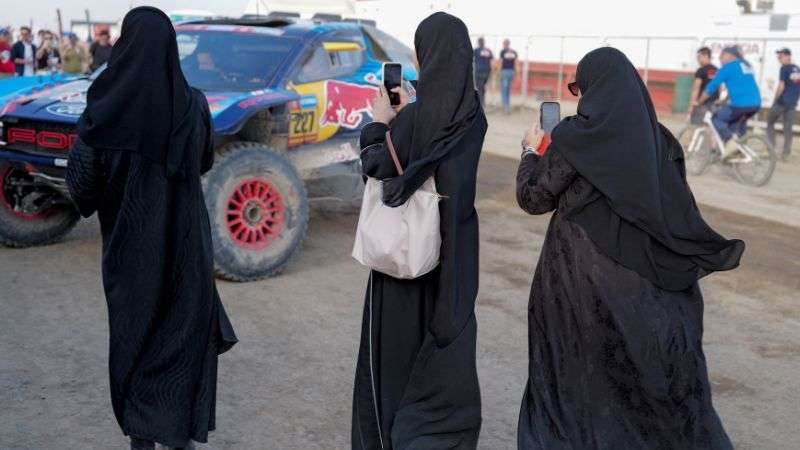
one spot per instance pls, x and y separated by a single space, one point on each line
403 98
382 110
533 137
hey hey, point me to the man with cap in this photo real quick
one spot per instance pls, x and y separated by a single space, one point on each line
785 104
745 98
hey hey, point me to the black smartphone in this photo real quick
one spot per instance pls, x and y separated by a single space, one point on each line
392 78
549 116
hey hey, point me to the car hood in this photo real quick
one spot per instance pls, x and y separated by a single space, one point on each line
64 102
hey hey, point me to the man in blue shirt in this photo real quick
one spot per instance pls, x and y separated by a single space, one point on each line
508 58
482 61
785 103
745 98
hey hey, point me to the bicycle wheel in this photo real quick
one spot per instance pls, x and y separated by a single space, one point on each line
756 169
696 149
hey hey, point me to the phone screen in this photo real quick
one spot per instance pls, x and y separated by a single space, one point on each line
392 78
549 115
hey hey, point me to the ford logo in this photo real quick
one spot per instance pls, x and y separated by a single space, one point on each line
67 109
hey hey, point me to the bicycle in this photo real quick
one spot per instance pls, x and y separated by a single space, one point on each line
753 162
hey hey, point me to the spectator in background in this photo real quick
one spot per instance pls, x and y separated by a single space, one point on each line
100 50
6 64
37 41
73 56
508 58
704 74
482 59
23 53
785 103
47 56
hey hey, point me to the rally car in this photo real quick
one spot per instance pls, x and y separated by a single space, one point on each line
288 98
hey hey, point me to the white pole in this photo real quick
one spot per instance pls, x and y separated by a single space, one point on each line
647 62
560 71
525 68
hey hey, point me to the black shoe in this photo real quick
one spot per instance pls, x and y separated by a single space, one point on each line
142 444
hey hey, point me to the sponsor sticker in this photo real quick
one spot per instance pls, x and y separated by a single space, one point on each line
66 109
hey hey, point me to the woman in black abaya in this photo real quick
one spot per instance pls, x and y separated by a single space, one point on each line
616 315
416 383
144 140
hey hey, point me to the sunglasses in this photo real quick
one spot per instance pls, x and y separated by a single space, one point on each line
573 88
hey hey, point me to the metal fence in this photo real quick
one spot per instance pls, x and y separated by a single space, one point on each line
674 53
659 56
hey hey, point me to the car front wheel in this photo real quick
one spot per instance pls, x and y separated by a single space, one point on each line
258 210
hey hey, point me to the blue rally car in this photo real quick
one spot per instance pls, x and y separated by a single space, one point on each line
288 98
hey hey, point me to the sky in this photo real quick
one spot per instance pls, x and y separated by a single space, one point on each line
645 17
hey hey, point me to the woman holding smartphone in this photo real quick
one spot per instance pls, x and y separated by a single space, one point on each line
616 315
416 381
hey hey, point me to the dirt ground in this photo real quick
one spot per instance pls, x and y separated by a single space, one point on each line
288 383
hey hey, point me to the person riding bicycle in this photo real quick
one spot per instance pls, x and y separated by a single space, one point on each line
745 99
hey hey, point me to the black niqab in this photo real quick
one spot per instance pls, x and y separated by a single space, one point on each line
646 218
446 102
143 74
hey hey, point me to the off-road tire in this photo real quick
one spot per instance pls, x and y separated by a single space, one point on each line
255 172
20 230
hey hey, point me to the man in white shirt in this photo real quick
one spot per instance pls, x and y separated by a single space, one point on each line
23 53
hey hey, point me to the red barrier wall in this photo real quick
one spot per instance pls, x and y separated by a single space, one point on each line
543 83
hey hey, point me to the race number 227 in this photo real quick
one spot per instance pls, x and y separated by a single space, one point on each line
303 122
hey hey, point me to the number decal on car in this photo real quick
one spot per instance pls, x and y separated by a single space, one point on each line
302 122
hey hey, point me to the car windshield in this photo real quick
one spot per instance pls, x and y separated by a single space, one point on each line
231 61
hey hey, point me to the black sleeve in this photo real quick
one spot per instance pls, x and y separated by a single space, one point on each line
541 179
375 159
372 133
84 177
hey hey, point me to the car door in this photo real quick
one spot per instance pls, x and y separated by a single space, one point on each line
336 89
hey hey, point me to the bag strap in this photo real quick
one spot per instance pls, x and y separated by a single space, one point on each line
393 153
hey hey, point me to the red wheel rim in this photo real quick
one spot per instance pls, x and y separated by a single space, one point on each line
4 201
255 214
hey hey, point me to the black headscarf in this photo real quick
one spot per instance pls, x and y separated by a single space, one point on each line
446 102
142 102
645 217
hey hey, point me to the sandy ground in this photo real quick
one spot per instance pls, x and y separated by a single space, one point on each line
288 384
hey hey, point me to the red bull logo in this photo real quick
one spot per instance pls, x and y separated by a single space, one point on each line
347 103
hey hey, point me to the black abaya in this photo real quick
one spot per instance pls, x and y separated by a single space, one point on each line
416 381
616 362
416 385
167 324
